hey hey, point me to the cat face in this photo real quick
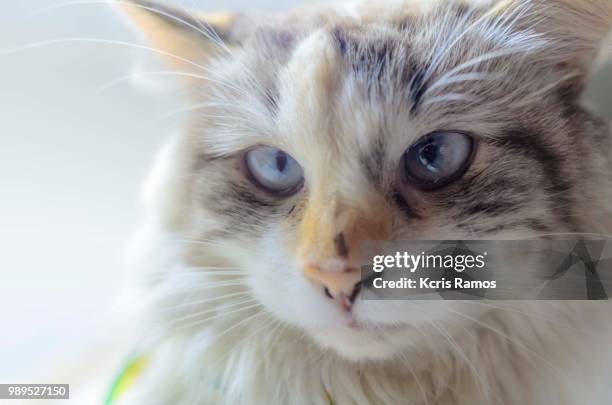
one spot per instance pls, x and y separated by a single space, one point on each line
313 132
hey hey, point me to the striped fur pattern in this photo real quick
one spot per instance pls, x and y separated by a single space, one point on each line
345 90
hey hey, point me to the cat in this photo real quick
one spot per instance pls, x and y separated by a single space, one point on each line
316 129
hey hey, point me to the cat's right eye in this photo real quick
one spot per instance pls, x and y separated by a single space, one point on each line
274 170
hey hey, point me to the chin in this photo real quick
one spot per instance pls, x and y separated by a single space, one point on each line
384 331
355 345
361 343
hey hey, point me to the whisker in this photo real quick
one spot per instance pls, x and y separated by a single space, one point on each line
239 323
201 321
498 53
450 97
200 274
417 380
207 34
199 106
132 76
204 242
208 271
460 78
204 301
484 388
205 286
482 19
438 53
235 347
217 269
205 25
41 44
545 318
547 88
514 342
198 314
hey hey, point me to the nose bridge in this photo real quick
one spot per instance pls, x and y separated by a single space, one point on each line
354 224
334 225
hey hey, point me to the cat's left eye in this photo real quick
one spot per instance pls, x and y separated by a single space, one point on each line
438 159
274 170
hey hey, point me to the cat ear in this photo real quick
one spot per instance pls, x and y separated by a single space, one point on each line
575 29
184 39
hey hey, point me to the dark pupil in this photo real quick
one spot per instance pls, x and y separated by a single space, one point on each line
281 161
429 153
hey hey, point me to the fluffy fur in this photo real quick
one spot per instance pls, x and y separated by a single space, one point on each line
346 90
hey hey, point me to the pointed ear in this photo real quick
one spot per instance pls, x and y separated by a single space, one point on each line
576 29
184 39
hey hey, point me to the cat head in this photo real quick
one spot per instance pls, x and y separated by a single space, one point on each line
312 131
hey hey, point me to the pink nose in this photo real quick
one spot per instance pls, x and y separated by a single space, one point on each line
341 286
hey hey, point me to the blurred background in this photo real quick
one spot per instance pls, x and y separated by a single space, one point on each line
75 146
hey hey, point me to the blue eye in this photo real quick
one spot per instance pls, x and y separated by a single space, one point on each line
438 159
274 170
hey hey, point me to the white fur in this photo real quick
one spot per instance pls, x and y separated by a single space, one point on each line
235 321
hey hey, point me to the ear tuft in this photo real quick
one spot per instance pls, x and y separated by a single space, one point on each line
184 38
577 28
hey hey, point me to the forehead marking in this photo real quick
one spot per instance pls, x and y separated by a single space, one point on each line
384 64
418 87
